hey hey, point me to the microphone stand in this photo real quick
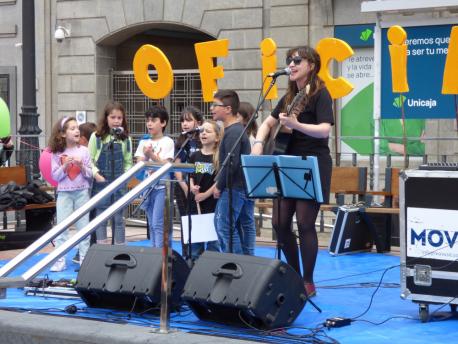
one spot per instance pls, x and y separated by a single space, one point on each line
111 145
228 160
189 136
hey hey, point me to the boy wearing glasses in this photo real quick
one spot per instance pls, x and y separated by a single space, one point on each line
224 108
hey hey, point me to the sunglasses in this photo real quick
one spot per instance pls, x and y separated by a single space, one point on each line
296 59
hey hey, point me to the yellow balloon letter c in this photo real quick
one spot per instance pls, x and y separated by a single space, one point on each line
150 55
333 48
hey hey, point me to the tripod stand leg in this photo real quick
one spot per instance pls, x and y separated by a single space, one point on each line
307 298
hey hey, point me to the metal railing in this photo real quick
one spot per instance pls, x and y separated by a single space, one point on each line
376 163
6 282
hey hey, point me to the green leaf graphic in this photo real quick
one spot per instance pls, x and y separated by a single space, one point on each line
365 35
398 101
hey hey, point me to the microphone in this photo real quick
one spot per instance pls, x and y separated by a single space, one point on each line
117 131
286 71
192 131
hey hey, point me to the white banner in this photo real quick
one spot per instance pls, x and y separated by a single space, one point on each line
356 113
432 233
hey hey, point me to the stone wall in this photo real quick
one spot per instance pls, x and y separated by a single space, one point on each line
74 74
83 62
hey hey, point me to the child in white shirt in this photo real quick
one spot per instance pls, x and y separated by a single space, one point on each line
158 148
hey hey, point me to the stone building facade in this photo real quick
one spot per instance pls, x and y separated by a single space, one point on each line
77 73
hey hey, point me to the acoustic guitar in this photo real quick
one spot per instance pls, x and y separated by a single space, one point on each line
280 135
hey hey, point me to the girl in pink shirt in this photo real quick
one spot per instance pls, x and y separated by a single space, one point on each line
71 168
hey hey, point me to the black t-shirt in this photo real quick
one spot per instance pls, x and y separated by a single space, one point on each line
204 176
318 110
231 134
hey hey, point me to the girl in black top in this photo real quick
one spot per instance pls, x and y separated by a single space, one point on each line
190 119
309 137
203 179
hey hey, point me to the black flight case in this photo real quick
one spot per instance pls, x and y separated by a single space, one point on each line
429 238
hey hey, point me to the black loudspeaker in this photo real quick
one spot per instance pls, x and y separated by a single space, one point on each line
128 278
240 290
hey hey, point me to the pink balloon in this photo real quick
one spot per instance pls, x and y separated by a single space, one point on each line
45 166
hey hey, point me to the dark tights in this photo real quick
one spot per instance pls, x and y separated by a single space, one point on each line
306 214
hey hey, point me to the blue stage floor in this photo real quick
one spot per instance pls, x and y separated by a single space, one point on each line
345 284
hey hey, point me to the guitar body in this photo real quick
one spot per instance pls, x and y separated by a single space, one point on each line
278 141
280 136
281 143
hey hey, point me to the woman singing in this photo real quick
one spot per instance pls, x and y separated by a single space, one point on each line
309 137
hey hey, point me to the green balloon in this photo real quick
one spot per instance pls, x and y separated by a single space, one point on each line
5 128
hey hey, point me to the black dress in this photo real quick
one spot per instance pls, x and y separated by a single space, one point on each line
318 110
204 176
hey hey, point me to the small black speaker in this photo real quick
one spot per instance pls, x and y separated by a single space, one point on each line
240 290
128 278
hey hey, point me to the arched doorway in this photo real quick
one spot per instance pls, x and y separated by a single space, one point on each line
115 79
177 43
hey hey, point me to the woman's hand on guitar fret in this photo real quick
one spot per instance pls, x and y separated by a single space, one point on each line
288 121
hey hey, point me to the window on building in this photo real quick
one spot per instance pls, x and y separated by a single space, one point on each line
4 88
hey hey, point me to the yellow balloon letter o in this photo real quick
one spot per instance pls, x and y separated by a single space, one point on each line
151 55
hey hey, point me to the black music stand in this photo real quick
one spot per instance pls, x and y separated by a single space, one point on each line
294 177
282 176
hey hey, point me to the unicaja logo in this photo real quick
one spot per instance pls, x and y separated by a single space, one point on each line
365 35
397 102
427 103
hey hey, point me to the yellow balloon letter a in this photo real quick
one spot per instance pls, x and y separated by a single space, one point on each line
329 48
151 55
205 52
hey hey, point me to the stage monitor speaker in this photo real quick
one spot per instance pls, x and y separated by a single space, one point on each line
128 278
240 290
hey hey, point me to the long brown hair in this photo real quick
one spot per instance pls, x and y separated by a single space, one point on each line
57 142
103 129
246 110
313 79
219 131
190 113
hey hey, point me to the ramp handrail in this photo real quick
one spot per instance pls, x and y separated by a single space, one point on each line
61 227
84 232
6 282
